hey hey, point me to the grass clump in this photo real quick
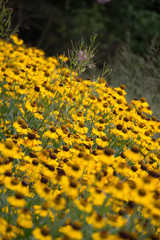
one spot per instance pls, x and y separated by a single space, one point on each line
77 161
140 74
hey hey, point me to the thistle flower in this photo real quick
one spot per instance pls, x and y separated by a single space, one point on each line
82 56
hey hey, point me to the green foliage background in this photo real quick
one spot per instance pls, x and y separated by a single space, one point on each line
51 24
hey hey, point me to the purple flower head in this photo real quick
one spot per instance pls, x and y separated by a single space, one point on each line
82 56
103 1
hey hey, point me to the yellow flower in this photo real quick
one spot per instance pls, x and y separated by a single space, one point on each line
102 235
17 200
97 196
83 205
10 149
103 141
58 203
42 233
80 128
107 156
96 220
72 231
133 153
13 184
32 142
43 210
43 190
116 220
24 219
21 127
63 58
69 186
51 133
7 230
16 40
6 165
73 170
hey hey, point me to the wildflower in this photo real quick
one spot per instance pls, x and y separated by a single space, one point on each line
32 141
43 156
97 196
101 235
5 165
21 127
10 149
24 219
99 131
16 40
42 233
43 210
107 157
51 133
70 186
43 190
58 203
7 230
24 186
116 220
17 200
133 153
13 184
126 234
80 128
82 56
103 141
73 230
96 220
83 205
74 170
63 58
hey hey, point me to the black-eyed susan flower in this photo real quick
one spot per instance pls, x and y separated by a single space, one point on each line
58 202
116 220
43 210
13 184
107 156
73 230
21 127
96 220
124 234
70 186
101 235
43 191
24 218
43 155
103 141
84 205
32 142
42 233
10 149
73 170
5 165
133 153
32 168
51 133
97 196
24 188
17 200
7 230
16 40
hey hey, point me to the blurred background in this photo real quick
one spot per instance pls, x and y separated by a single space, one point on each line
128 36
